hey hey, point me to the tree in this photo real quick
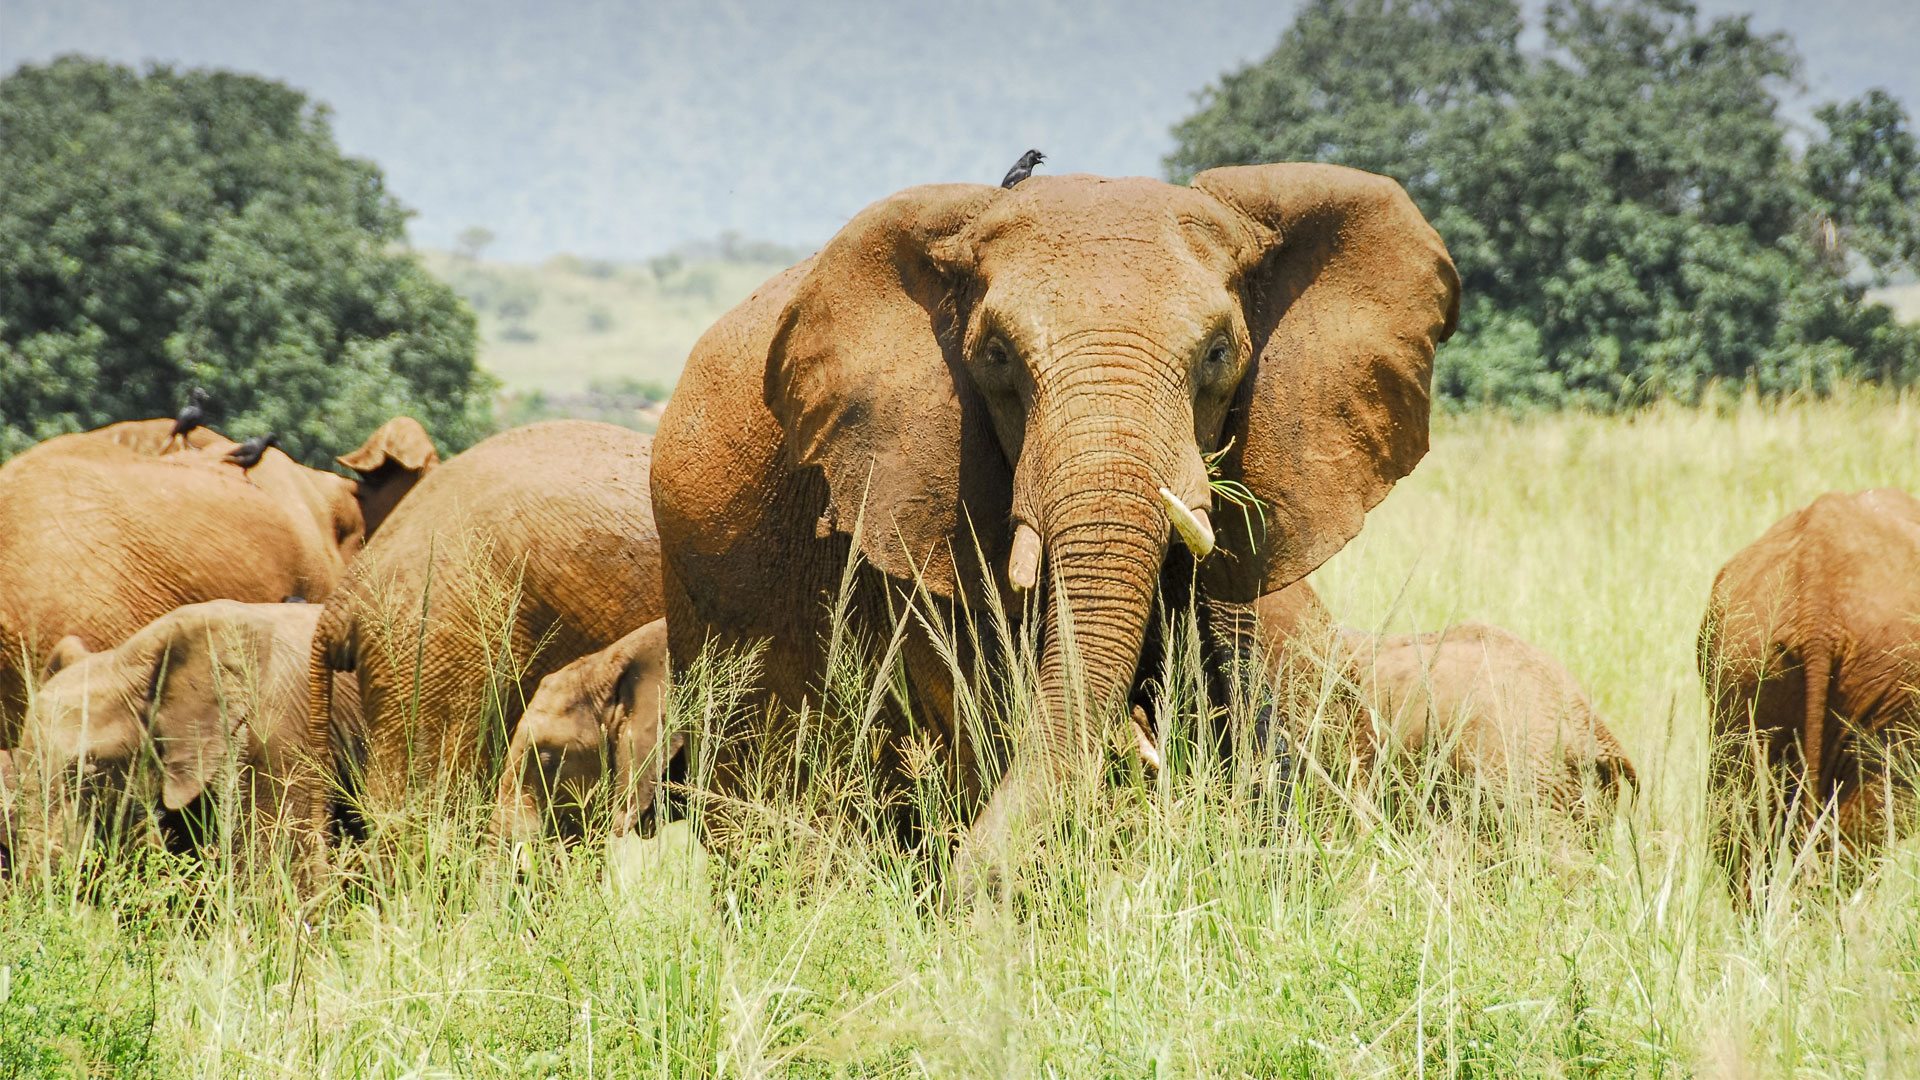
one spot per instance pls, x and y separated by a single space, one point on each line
472 240
1627 213
173 229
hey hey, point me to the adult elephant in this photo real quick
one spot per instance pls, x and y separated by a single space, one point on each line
103 531
1810 652
1041 375
533 548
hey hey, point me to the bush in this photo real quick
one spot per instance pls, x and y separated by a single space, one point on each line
1624 202
173 229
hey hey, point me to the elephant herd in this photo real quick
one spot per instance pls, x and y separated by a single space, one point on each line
1062 410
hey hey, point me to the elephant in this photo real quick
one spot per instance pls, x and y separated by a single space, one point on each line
141 532
198 717
1810 656
1503 715
1017 397
532 548
591 732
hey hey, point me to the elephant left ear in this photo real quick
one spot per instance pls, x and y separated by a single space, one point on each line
862 377
1347 292
401 443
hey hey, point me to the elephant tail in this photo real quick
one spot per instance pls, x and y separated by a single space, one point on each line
326 741
1819 674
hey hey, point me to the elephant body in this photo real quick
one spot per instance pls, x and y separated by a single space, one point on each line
532 548
591 733
1506 717
102 532
207 700
1041 377
1810 653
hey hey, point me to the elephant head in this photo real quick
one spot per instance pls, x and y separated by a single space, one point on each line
389 464
179 695
1051 370
594 722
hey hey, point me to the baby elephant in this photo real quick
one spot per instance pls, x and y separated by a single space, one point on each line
201 712
1506 715
590 734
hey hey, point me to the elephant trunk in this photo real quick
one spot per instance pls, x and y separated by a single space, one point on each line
1109 488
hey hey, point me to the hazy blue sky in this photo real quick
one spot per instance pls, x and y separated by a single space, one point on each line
621 129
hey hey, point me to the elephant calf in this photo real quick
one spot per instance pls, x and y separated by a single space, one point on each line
201 710
1811 659
1504 715
591 732
1500 712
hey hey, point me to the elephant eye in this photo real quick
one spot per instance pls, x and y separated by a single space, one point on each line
995 353
1217 352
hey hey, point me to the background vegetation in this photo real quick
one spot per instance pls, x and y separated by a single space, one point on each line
170 229
1633 214
1176 930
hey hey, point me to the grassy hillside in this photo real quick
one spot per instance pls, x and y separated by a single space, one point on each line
1179 929
565 324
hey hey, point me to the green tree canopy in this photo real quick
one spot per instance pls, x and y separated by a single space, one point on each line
1627 209
184 228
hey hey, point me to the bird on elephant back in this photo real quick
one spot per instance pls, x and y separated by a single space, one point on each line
531 549
1810 656
103 531
991 392
191 733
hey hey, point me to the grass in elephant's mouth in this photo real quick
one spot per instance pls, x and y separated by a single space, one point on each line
1179 926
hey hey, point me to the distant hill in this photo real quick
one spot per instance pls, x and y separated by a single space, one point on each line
568 325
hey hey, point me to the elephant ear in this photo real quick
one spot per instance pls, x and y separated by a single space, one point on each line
65 653
1347 292
863 377
401 443
203 699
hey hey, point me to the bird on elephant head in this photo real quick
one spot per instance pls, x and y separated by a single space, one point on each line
1019 373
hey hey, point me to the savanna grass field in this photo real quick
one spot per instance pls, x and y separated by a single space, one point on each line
1178 926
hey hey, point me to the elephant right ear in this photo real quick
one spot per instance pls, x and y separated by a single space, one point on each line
400 442
864 378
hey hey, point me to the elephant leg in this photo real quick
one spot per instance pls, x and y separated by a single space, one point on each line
1258 730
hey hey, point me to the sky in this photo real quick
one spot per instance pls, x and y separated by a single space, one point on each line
623 129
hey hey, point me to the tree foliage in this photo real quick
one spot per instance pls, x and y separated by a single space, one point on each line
173 229
1627 210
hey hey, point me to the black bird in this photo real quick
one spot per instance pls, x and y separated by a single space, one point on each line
190 416
249 453
1023 168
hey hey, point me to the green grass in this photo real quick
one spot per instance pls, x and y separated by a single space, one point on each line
1177 928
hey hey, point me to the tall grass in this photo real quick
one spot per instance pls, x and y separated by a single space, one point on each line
1174 925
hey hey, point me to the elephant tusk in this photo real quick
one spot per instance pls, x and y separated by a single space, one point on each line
1192 525
1143 741
1023 566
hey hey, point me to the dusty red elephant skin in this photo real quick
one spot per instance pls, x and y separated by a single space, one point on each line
1025 371
144 528
1810 652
